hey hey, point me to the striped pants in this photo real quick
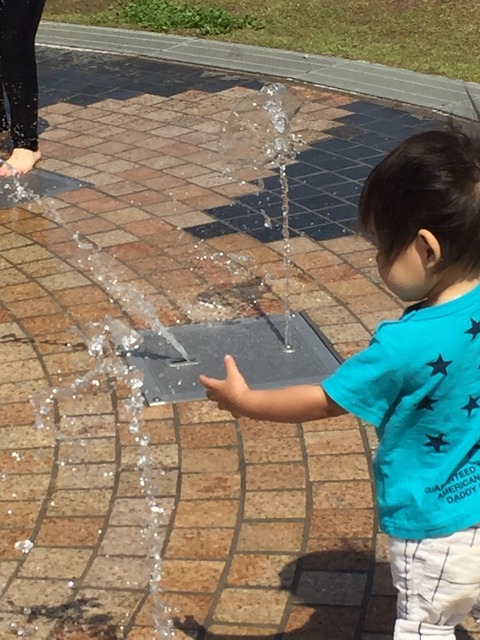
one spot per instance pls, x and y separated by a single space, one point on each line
438 584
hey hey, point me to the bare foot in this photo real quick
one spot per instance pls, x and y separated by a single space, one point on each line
21 161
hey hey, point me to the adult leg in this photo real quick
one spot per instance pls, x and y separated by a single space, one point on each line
19 20
438 582
4 135
3 112
4 128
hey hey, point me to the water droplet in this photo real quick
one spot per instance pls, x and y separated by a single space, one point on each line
25 546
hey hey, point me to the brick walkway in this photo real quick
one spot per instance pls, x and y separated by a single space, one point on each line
267 528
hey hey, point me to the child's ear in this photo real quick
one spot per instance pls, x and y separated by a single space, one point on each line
429 247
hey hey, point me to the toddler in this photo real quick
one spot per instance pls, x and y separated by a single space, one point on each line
418 381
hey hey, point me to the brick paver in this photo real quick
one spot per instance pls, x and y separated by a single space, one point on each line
266 528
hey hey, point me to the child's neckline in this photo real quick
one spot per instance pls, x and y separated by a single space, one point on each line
444 308
453 292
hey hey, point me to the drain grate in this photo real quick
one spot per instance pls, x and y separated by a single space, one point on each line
39 183
256 343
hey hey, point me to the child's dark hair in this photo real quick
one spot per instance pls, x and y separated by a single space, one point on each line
430 181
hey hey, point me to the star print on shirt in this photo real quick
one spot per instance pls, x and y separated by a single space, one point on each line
474 329
471 405
474 449
436 442
426 403
439 365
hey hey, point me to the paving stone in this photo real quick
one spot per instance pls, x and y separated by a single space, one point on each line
262 570
279 536
333 622
206 513
323 587
250 605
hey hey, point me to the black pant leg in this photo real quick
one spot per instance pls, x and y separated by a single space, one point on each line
19 20
3 112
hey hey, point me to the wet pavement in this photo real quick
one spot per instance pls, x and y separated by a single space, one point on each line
268 528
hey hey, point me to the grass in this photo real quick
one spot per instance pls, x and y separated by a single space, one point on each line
434 36
175 15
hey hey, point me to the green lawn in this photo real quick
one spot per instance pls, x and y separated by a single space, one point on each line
433 36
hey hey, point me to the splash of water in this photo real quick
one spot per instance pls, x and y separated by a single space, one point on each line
258 133
131 300
106 342
25 546
94 261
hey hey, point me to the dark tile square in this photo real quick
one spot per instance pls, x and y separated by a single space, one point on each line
328 231
372 140
332 145
256 85
49 97
300 191
98 89
347 132
340 213
301 168
302 221
166 89
313 156
216 86
229 211
372 162
413 120
249 222
275 210
210 230
319 202
269 235
354 199
270 183
361 152
319 180
344 189
352 224
374 110
337 163
359 172
261 199
387 145
82 100
357 119
121 94
391 128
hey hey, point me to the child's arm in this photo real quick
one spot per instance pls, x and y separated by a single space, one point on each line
290 404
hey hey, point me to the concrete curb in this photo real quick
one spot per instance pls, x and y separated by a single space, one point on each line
455 97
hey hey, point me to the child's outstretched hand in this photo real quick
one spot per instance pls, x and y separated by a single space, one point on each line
231 393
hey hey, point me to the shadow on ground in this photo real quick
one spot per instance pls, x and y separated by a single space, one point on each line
307 579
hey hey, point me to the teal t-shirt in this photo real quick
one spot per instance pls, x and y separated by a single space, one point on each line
418 383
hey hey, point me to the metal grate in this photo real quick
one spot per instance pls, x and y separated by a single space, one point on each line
37 183
256 343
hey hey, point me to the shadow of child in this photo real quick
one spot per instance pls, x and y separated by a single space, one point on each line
335 595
